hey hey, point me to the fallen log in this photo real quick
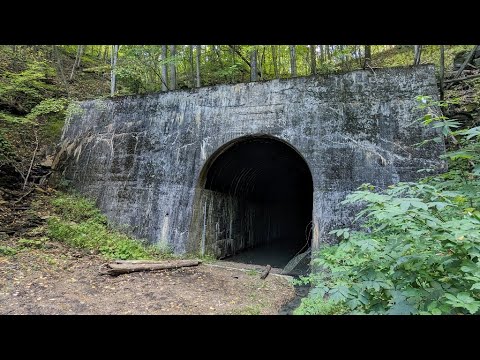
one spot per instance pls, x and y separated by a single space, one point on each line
137 261
119 267
265 272
462 78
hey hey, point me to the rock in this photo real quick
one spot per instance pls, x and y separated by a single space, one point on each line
47 162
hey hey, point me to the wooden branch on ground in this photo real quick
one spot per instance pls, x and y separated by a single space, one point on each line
127 266
467 60
461 79
33 158
266 272
23 196
44 177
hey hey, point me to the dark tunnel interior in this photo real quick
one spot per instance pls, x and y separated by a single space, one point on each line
275 185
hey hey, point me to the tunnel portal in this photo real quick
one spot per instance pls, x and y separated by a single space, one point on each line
258 195
223 169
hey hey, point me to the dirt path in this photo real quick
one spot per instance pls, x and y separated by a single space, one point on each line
61 280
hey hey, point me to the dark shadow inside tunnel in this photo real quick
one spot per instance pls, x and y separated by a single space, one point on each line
257 202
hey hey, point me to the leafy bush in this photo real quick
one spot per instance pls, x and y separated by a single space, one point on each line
32 243
7 251
79 223
418 248
6 149
27 88
46 107
320 306
77 208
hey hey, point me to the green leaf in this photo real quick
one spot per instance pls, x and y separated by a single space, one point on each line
404 205
475 286
472 307
402 308
338 294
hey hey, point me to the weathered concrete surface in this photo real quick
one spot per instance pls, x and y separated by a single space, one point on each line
141 157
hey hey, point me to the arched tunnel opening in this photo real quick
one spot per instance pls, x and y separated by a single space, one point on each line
258 195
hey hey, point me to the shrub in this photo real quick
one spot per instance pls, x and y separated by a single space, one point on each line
79 223
418 249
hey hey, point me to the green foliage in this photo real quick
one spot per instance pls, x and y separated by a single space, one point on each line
32 243
79 223
252 272
6 149
7 251
23 90
47 107
78 209
73 109
319 306
418 247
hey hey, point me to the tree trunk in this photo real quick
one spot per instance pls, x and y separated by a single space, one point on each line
417 55
232 52
164 68
60 69
82 48
442 69
313 59
253 64
293 61
113 79
173 69
199 48
368 56
75 63
105 53
192 67
262 59
78 60
274 60
124 266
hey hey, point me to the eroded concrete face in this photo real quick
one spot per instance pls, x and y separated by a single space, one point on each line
141 157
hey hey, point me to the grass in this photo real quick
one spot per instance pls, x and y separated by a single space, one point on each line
32 243
249 310
319 306
78 222
7 251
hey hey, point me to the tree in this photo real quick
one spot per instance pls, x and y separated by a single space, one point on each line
113 83
198 64
60 68
78 59
192 68
313 59
173 68
417 55
274 60
293 61
442 69
368 56
164 68
253 64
